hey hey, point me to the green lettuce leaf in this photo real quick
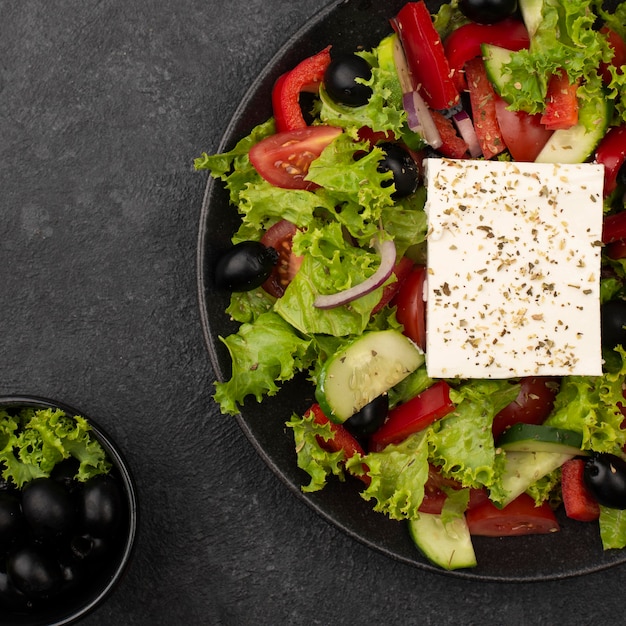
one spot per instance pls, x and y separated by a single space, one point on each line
398 475
462 444
263 353
612 528
35 440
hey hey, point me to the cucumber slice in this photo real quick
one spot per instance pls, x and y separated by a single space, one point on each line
447 545
495 58
522 469
531 14
576 144
533 438
365 369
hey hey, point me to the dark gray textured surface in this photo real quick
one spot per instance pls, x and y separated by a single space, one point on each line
103 106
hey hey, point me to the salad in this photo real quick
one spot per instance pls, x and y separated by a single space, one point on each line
330 264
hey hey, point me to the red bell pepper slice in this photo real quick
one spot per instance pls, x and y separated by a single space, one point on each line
611 152
425 56
414 415
464 43
452 145
520 517
306 76
578 502
341 440
561 110
483 101
614 228
401 271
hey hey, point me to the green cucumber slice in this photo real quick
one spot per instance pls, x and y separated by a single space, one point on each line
533 438
522 469
365 369
531 14
447 545
495 58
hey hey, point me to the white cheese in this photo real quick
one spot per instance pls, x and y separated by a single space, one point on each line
513 284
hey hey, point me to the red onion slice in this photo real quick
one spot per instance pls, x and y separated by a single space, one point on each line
387 251
466 129
420 120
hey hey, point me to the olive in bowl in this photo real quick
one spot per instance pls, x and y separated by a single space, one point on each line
68 513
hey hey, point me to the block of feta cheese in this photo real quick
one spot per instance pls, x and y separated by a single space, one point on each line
513 284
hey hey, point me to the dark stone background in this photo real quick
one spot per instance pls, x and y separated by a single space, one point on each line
103 105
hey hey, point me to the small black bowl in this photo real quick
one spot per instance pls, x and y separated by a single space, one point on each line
99 583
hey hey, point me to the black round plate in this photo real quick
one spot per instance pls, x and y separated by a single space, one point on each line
575 550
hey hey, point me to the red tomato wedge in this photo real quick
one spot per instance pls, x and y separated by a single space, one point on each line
578 502
306 76
284 159
425 55
414 415
341 440
524 134
464 43
520 517
410 306
611 152
483 101
619 54
280 237
435 495
401 271
561 110
533 404
614 228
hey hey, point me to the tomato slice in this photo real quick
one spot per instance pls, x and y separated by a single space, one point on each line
414 415
614 228
561 110
533 404
520 517
306 76
284 159
524 134
280 237
483 101
578 502
619 54
435 496
410 306
341 440
464 43
611 152
452 145
401 271
425 55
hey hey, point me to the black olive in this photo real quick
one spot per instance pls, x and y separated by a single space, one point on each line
101 506
83 547
406 176
48 507
11 519
246 266
487 11
370 418
613 322
605 476
34 572
340 80
621 175
65 471
10 596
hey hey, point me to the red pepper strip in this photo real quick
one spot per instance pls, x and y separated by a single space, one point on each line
483 101
464 43
561 110
414 415
306 76
611 152
614 228
401 271
579 503
341 440
425 56
452 145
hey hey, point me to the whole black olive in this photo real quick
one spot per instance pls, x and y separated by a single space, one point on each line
404 169
10 596
605 476
101 506
487 11
613 323
11 519
48 507
246 266
33 572
370 418
340 80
